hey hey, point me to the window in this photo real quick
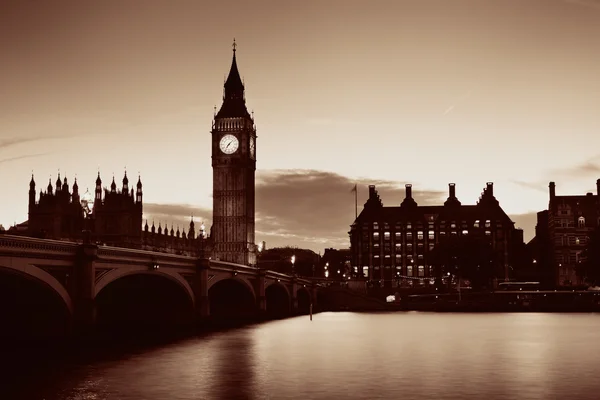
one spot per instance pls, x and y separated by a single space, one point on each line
421 270
398 256
376 256
408 226
431 235
376 245
488 223
398 246
476 224
420 257
375 225
398 235
409 270
409 236
386 235
581 222
375 235
366 271
577 241
453 233
465 232
488 233
431 245
453 225
386 225
420 235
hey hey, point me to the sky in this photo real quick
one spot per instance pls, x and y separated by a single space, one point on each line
379 92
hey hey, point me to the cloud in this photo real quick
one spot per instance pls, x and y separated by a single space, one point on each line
304 208
7 160
309 209
539 187
583 170
586 3
178 215
4 143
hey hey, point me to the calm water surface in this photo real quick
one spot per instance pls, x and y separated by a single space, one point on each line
357 356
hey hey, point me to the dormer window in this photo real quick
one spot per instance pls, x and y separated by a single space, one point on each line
581 222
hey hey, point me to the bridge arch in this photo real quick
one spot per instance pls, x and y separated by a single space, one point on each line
231 298
121 272
39 275
278 300
242 280
304 298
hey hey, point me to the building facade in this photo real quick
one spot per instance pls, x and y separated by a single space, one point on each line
234 166
391 244
562 233
110 217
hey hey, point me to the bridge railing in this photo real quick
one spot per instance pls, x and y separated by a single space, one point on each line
21 244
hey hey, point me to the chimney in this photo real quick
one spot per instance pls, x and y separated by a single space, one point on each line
598 187
408 189
552 187
372 193
490 188
452 190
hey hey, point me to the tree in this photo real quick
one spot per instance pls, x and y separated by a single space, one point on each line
589 266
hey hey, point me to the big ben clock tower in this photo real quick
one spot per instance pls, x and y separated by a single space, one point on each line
234 165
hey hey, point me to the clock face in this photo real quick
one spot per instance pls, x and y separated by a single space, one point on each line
229 144
252 147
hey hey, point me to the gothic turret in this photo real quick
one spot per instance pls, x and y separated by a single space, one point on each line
113 186
58 184
49 191
125 188
138 194
98 196
75 194
31 192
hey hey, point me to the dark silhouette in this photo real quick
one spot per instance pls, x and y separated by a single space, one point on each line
589 266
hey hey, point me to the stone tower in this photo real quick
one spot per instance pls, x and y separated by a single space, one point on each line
234 165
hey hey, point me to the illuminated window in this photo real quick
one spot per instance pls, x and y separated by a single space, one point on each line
408 226
387 256
375 235
398 245
476 224
488 233
431 235
386 235
576 240
431 245
465 232
453 233
408 235
420 235
375 244
398 235
488 223
398 255
376 256
375 225
581 222
420 246
453 225
409 246
386 225
420 257
421 270
366 271
409 271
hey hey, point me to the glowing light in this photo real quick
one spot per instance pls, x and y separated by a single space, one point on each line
326 274
260 247
293 259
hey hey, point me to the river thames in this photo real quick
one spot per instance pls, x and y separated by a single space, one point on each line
348 356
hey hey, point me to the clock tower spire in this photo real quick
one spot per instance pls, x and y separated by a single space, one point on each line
234 165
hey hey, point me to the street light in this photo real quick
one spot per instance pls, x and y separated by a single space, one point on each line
293 260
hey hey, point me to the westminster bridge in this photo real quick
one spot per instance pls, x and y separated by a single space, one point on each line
85 286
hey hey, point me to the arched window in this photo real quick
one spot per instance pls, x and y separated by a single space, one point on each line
581 222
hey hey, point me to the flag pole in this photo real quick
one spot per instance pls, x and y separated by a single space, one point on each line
355 202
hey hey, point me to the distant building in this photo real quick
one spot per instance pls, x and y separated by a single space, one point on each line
390 244
111 217
562 233
337 263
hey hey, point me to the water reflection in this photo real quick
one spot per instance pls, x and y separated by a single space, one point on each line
360 356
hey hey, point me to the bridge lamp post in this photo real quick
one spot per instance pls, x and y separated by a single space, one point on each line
293 260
